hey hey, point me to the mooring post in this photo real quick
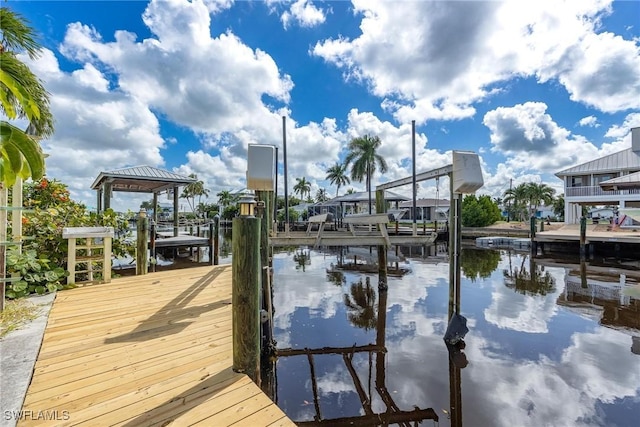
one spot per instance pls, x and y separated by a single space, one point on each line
532 232
216 239
583 237
381 207
152 244
245 298
142 254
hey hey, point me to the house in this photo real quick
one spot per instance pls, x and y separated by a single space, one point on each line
584 184
426 210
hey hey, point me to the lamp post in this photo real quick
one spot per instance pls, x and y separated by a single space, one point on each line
245 295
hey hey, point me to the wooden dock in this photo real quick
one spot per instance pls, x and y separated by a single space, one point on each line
142 351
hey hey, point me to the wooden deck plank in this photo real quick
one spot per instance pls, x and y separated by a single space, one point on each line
146 350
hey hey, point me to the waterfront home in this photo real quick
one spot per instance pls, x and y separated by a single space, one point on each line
584 183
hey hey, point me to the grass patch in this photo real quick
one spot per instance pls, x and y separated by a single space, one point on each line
16 314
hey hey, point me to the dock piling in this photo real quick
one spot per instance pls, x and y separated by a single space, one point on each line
142 254
246 276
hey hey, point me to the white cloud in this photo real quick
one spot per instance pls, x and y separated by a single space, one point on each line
591 121
433 60
621 131
304 13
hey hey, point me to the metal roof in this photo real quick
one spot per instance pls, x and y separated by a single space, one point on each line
426 203
141 179
363 196
631 180
625 160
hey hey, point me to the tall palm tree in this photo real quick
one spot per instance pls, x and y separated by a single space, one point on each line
364 160
302 187
337 175
22 95
193 190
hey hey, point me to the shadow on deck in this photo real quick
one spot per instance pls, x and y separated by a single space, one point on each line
145 350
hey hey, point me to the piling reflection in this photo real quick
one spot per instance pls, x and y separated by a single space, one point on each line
351 354
367 310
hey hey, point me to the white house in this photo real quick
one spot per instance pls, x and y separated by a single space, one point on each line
582 183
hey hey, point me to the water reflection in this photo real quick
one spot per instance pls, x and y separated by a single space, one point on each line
542 348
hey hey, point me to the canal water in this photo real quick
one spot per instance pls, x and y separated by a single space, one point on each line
549 343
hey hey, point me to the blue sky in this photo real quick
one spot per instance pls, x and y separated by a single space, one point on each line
532 86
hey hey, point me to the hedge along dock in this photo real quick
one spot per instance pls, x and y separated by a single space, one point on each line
145 350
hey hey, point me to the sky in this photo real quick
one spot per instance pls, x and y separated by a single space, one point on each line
533 87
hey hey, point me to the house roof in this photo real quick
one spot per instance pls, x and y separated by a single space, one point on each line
631 180
625 160
426 203
363 196
141 179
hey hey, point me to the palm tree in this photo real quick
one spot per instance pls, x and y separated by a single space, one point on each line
321 195
363 154
193 190
337 175
517 198
537 194
302 187
22 95
225 198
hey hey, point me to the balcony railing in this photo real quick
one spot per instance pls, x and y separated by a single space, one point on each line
596 191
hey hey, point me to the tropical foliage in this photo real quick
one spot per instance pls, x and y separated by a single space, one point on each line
321 195
524 199
479 211
365 161
337 175
22 96
302 187
50 209
193 190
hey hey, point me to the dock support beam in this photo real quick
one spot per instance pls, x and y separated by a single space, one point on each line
245 296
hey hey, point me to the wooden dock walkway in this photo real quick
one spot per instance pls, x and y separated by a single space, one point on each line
142 351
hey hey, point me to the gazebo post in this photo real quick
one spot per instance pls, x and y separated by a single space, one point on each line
99 201
155 207
106 192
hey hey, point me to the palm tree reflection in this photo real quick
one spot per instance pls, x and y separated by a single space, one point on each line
534 281
360 303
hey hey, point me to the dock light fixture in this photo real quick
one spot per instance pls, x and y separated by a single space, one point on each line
247 204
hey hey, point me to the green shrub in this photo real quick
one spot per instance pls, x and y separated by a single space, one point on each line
37 275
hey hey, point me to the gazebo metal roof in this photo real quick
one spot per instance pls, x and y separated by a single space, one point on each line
141 179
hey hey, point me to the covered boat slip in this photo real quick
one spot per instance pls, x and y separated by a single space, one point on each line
145 350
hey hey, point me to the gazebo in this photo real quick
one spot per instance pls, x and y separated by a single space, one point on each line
140 179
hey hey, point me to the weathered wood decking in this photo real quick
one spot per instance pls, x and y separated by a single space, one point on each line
145 350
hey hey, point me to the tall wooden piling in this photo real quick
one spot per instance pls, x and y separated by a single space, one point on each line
142 254
216 239
381 207
265 198
583 237
246 276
